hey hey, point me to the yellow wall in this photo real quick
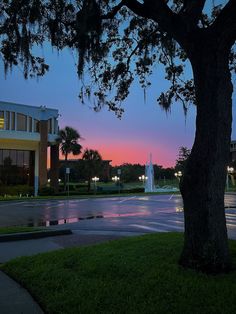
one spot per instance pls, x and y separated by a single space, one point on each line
18 144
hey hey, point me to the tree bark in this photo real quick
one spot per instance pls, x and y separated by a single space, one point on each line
203 184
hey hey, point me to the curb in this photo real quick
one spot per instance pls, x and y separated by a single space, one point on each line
33 235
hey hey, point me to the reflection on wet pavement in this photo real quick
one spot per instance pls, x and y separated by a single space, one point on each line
115 211
62 221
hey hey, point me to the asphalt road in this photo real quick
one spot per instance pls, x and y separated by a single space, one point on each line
135 215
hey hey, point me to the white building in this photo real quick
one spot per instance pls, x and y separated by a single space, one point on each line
25 134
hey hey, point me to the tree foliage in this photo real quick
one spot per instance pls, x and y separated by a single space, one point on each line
183 155
68 140
93 164
118 42
132 172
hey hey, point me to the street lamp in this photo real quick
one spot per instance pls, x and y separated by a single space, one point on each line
143 178
230 171
178 175
95 179
116 179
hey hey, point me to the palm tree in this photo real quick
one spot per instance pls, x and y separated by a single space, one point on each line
68 140
93 162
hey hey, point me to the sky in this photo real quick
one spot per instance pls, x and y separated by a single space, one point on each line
144 128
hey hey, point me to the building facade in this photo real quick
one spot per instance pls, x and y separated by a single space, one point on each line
233 151
26 132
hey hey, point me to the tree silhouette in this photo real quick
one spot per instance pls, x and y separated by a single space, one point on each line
93 161
68 139
182 158
118 41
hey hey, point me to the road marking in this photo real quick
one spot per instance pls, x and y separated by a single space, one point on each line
148 228
11 203
180 222
127 199
166 225
171 197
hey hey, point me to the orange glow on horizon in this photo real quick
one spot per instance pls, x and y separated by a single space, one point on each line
130 153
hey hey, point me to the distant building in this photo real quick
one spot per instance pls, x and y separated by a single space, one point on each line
233 151
25 134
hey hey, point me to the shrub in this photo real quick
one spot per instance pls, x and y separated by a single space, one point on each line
16 190
46 190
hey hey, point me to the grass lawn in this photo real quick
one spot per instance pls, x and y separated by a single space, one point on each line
8 230
63 197
132 275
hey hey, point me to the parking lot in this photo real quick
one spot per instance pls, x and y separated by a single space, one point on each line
135 214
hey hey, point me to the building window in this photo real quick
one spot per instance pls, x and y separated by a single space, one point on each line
13 119
7 120
50 126
36 125
30 124
21 122
55 126
16 167
1 120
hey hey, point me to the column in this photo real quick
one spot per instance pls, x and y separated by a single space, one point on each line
43 145
54 167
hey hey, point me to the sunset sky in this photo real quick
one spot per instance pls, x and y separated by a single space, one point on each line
145 128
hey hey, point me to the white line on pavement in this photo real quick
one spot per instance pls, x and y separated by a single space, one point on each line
166 225
148 228
127 199
11 203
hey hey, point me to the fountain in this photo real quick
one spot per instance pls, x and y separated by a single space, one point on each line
150 184
149 174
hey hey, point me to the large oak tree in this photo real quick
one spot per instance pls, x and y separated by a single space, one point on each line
120 40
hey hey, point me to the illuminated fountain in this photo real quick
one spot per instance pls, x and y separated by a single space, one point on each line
149 173
150 183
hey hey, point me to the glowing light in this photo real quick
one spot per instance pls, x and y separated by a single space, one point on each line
1 123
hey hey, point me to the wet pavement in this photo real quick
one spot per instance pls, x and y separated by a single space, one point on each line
135 214
56 212
92 221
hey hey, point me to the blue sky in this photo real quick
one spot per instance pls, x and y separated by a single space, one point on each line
144 128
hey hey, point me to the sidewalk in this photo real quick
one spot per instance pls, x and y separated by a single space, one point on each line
14 299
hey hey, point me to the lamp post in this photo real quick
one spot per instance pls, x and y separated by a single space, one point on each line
143 178
230 171
178 175
68 181
116 179
95 179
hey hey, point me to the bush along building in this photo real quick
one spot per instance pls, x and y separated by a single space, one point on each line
26 132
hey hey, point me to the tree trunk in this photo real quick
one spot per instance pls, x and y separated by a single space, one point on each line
203 184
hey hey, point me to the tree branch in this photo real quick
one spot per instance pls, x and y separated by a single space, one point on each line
192 10
167 20
159 12
113 12
225 24
133 5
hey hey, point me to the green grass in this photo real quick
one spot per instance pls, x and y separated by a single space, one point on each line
132 275
9 230
63 197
